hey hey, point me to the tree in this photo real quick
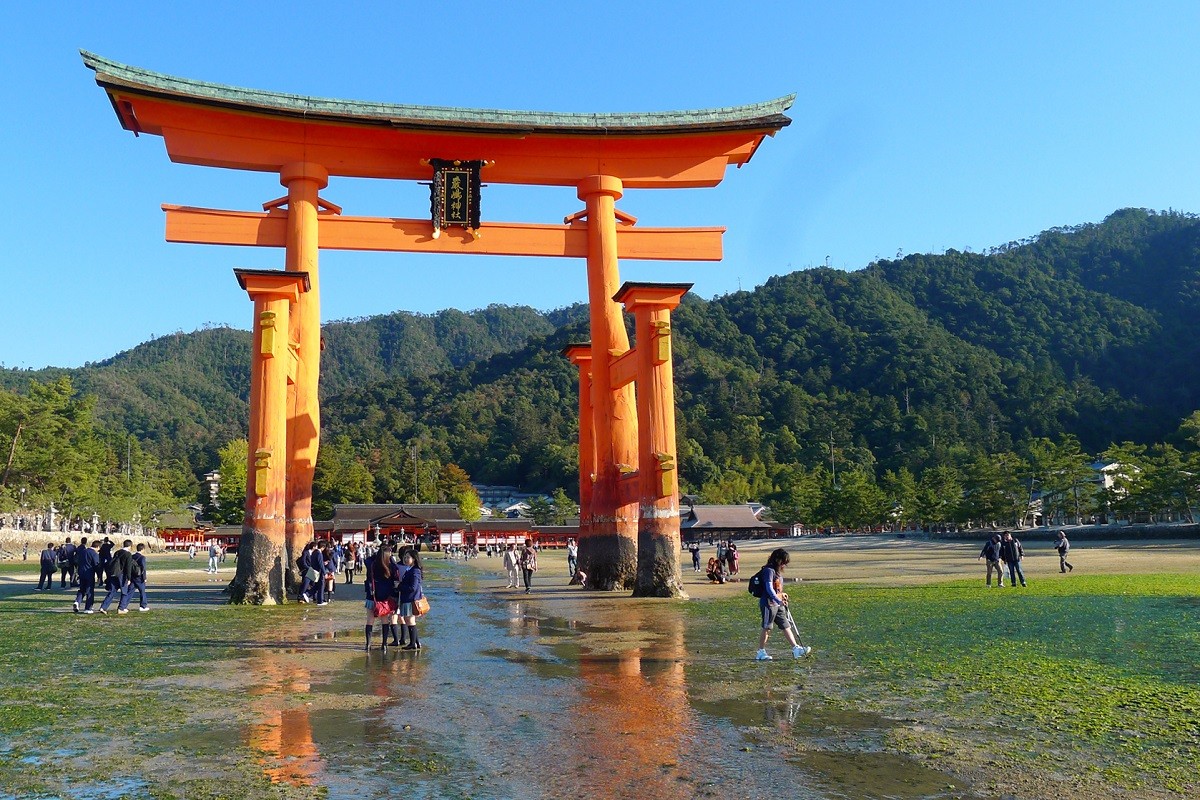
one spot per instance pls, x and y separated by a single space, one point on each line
230 508
900 488
541 510
454 485
340 477
564 507
939 495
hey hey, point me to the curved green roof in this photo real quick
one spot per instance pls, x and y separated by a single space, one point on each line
755 116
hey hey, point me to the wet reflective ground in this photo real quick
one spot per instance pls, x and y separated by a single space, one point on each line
562 696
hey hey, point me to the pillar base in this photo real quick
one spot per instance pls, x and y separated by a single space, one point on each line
609 560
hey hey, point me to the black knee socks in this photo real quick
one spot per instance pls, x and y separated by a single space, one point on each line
412 636
369 629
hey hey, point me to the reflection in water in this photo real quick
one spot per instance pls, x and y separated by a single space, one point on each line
634 708
281 738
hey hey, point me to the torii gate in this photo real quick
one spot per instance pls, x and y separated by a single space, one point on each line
625 484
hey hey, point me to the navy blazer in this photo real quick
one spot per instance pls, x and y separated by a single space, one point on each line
139 568
87 559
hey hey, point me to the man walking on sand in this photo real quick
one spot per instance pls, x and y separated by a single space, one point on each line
87 562
49 561
119 572
991 554
1011 554
1063 547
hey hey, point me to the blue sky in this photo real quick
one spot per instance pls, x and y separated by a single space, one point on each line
917 127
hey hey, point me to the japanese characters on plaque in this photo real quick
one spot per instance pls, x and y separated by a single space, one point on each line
454 195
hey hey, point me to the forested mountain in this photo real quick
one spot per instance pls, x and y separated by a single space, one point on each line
911 363
185 395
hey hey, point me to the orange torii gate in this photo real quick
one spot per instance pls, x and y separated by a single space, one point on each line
627 446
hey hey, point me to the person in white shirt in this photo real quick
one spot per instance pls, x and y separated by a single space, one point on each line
512 563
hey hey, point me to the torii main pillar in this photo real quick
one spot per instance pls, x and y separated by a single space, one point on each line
608 553
658 477
303 180
262 553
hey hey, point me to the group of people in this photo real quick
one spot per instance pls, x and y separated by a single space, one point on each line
395 597
121 571
721 566
521 564
1004 550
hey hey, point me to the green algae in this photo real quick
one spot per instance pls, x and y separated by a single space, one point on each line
1096 675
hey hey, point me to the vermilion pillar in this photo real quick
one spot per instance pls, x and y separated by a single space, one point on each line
658 477
581 356
608 554
303 180
260 571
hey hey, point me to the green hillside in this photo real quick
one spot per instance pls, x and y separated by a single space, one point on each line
929 360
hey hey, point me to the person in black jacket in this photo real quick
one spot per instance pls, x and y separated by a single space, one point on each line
49 562
991 554
66 563
1011 554
380 582
119 571
106 557
137 581
87 561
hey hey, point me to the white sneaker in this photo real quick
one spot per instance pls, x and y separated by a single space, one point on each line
800 651
122 610
75 607
90 611
143 608
763 655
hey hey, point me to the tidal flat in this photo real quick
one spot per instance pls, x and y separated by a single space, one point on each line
1080 686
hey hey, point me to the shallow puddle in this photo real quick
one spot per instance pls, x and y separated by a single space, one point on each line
587 696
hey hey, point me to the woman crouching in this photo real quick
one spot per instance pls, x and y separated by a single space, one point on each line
380 583
410 593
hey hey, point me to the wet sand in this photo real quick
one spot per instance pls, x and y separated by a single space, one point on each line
887 560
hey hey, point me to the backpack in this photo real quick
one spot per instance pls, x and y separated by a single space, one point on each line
755 585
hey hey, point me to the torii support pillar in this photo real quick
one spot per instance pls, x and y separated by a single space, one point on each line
658 477
581 356
261 553
608 553
303 181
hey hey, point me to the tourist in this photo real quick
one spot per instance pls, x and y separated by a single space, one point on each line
512 563
528 564
214 556
66 563
49 562
192 551
106 548
991 554
119 571
379 582
316 575
302 563
1011 554
716 570
572 558
411 591
329 569
1063 547
773 605
350 564
731 557
87 564
25 552
694 547
137 579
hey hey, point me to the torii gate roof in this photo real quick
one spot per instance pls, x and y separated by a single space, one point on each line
225 126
